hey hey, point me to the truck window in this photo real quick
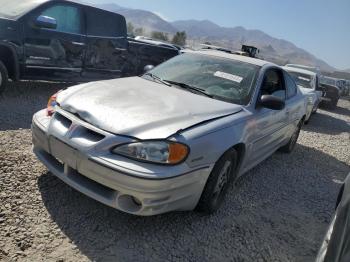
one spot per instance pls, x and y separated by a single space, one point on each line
68 18
105 24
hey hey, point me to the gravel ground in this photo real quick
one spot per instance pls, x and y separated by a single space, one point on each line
279 212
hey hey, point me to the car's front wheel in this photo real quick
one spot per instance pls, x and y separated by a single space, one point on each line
3 77
288 148
222 175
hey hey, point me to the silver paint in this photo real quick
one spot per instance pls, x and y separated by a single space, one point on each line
131 109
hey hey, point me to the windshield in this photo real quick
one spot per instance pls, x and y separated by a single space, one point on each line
220 78
16 8
302 80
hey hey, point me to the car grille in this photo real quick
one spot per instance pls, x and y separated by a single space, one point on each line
80 133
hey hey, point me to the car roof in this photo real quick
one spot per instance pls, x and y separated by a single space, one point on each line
217 53
299 70
155 42
302 66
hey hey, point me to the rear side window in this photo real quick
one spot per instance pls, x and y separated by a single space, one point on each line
68 18
290 86
105 24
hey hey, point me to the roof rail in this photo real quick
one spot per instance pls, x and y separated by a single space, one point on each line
218 48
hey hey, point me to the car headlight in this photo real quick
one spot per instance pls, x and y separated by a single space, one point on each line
160 152
51 104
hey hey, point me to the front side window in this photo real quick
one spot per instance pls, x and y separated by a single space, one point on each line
68 18
273 84
224 79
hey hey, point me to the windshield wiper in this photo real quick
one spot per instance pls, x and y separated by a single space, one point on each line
189 87
158 79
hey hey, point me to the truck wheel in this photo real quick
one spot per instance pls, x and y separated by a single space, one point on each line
222 175
334 102
288 148
3 77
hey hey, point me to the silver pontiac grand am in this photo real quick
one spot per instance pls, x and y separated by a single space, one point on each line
173 139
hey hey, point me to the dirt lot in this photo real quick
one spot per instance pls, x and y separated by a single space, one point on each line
280 212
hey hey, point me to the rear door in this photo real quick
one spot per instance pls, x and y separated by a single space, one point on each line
107 44
59 53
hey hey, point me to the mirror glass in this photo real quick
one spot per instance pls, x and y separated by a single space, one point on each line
46 22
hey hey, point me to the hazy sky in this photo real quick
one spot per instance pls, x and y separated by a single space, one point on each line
321 27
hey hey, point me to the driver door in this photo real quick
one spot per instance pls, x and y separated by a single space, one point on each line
55 53
270 125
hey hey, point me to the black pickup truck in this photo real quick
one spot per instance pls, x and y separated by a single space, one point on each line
67 41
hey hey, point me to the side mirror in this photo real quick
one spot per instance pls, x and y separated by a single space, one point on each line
46 22
148 68
272 102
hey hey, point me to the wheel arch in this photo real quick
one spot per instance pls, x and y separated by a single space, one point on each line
241 150
9 58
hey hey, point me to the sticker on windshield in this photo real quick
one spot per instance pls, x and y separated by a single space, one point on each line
304 78
228 76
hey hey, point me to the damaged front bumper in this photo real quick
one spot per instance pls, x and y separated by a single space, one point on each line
78 153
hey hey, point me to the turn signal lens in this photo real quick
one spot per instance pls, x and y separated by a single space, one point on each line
51 104
177 152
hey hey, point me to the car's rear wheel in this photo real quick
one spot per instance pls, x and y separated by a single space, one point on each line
288 148
3 77
222 175
334 102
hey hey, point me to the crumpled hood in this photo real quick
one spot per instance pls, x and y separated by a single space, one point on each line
141 108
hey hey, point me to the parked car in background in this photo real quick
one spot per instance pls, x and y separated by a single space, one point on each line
308 83
309 68
331 92
174 138
71 42
348 87
331 95
336 243
341 83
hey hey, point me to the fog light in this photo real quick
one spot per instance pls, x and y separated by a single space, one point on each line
136 201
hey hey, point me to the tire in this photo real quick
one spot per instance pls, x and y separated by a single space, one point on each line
3 77
220 179
288 148
334 102
307 121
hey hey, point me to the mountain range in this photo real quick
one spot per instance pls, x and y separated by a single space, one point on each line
272 49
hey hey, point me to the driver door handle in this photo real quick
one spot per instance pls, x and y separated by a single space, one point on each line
78 43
